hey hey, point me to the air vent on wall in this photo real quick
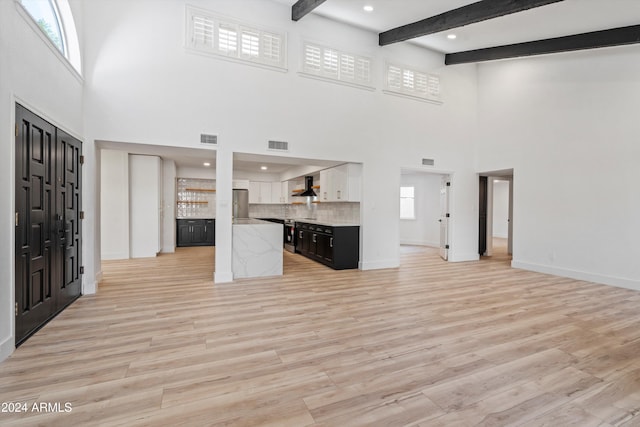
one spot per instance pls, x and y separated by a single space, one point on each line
278 145
208 139
428 162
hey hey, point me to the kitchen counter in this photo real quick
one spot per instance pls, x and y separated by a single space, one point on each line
328 223
257 248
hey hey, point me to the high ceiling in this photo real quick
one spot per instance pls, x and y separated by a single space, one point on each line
563 18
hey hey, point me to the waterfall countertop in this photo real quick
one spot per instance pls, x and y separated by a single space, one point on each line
256 248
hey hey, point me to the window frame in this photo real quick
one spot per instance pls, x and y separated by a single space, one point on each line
70 55
321 73
413 205
231 25
402 75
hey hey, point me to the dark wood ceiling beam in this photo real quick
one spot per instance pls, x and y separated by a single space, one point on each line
465 15
302 7
593 40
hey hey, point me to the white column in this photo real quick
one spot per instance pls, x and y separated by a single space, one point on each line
224 186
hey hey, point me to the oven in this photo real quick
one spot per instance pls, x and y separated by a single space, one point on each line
289 235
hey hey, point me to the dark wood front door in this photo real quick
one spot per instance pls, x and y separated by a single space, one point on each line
482 220
48 227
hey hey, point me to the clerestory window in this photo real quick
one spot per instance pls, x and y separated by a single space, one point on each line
55 20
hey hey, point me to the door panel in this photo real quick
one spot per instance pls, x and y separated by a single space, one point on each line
482 221
68 213
47 259
445 185
34 268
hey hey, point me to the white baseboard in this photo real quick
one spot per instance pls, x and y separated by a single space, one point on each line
455 257
89 288
223 277
501 236
619 282
7 347
378 265
99 276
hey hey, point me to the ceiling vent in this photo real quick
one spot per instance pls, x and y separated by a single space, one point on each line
428 162
278 146
208 139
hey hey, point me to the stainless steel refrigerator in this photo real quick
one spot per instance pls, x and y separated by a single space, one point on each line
240 203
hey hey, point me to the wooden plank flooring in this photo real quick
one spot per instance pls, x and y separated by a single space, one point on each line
428 344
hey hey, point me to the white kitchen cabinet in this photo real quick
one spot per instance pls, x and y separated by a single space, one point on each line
254 192
341 183
265 192
277 194
241 184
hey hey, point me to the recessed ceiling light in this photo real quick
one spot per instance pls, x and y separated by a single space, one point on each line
452 36
207 164
264 168
368 8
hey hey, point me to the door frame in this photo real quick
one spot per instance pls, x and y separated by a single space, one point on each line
9 345
503 175
441 173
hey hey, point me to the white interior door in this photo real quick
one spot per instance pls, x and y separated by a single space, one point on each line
445 186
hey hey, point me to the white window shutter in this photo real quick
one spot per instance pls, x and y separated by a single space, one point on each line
203 31
227 39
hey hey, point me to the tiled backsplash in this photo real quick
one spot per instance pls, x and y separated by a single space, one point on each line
195 198
348 212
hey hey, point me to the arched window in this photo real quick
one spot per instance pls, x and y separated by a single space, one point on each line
55 20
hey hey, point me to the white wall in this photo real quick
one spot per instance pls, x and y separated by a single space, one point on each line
114 204
500 208
199 173
169 206
425 228
568 126
171 97
145 193
32 74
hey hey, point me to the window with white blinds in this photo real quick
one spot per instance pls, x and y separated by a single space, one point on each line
211 34
412 83
333 64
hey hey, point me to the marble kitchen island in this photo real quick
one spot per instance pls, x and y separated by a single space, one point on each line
257 248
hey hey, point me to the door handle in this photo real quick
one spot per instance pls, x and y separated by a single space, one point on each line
331 242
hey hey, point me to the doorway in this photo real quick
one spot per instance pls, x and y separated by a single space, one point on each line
424 210
495 220
48 222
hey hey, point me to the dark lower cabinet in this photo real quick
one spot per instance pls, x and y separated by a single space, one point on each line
196 232
336 247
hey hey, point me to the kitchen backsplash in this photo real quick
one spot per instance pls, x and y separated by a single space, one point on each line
347 212
196 198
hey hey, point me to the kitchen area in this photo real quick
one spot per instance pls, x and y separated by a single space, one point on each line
310 211
156 200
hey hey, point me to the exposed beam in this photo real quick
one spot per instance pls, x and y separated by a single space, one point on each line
593 40
465 15
302 7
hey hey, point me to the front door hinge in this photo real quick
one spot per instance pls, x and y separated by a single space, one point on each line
81 214
446 246
82 270
82 160
16 308
17 218
448 184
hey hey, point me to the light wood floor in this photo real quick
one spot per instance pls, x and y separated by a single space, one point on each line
428 344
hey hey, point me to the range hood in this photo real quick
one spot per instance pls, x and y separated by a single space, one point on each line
308 190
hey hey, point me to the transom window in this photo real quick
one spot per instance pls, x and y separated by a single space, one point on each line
54 19
211 34
412 83
332 64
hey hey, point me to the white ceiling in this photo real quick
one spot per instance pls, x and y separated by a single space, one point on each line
554 20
